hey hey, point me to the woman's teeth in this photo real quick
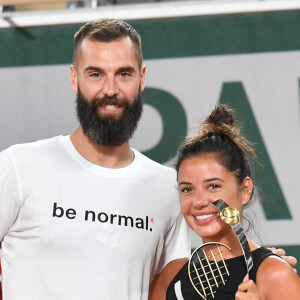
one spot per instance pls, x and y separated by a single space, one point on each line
204 217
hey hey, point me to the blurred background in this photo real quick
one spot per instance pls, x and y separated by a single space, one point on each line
197 53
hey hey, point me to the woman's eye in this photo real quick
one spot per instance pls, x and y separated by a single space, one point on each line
214 186
185 190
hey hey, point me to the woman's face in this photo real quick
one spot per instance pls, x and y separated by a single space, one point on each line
201 181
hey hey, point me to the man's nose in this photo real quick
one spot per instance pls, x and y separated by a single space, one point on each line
110 87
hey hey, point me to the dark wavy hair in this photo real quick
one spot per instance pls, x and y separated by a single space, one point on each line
220 135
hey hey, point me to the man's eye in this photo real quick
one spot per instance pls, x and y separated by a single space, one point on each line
95 75
125 74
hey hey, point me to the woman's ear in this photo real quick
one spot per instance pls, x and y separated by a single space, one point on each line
247 187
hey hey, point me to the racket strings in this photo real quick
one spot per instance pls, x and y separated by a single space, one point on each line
208 272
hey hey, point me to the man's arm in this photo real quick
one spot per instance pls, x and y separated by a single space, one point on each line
9 192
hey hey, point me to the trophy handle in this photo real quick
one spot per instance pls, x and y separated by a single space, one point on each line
231 216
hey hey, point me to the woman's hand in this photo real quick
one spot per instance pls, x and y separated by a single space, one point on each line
247 290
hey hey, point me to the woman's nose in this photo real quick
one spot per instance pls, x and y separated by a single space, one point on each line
200 201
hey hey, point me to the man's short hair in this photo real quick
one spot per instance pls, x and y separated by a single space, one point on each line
107 30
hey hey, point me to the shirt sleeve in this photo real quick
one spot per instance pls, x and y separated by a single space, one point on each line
177 243
9 193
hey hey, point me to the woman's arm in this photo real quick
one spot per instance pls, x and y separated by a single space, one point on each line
276 280
158 287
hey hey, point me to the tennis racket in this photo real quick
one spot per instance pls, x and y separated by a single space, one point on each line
207 269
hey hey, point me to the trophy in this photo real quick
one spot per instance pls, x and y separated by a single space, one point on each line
207 267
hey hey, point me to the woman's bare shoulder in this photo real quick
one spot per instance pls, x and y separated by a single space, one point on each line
276 279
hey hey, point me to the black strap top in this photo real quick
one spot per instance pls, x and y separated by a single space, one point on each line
181 288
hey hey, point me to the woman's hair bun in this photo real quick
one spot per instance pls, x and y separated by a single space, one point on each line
222 121
221 115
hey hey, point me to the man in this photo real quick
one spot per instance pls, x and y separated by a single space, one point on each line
85 216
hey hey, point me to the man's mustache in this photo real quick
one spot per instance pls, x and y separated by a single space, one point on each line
97 102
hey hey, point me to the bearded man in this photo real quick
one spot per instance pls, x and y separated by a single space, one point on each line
86 216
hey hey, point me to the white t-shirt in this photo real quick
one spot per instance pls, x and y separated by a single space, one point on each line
74 230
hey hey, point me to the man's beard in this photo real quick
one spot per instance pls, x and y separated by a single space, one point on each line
108 130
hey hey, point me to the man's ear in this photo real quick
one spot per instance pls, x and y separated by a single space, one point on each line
143 78
247 187
74 81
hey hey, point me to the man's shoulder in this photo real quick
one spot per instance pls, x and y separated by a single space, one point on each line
150 163
40 144
34 149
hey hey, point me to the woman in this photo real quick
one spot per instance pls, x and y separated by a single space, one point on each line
213 165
